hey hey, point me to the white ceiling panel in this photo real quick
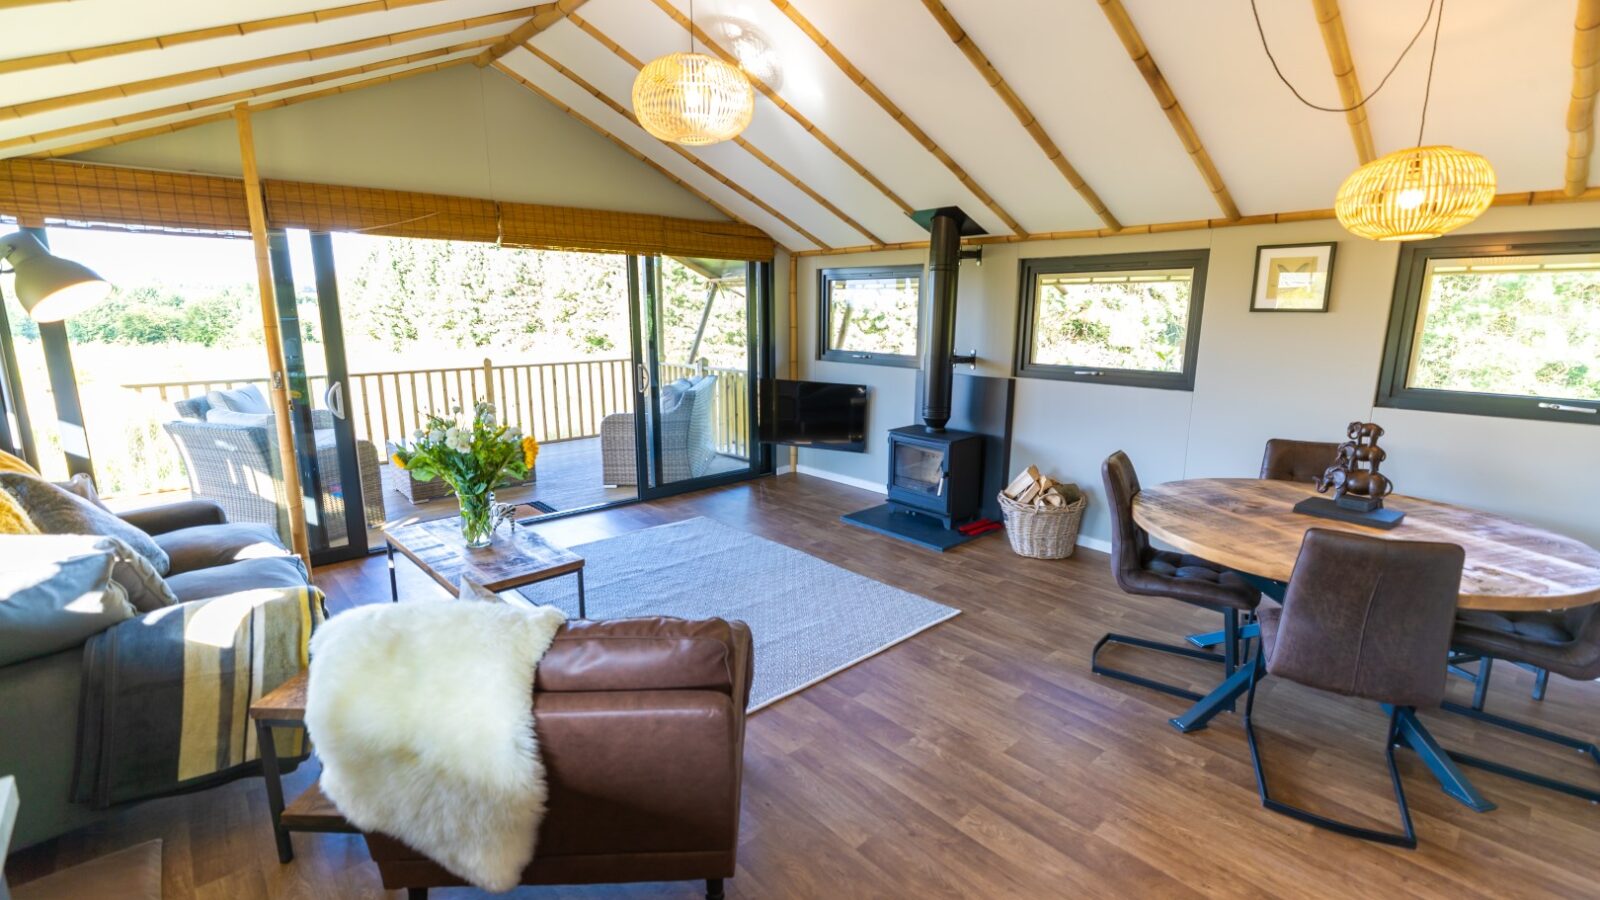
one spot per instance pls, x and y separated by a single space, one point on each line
55 81
1500 86
559 86
1067 65
610 73
105 109
925 74
53 27
1274 154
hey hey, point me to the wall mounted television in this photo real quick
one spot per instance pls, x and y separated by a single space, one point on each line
816 414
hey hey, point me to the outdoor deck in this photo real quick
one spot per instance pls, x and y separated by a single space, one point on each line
568 478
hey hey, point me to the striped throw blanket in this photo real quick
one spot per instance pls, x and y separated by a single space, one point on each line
165 695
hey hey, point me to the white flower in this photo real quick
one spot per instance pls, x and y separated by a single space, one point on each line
488 418
437 436
418 435
514 434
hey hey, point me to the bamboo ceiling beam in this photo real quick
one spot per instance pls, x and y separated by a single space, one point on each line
633 151
185 124
272 338
65 101
548 15
234 96
1585 86
1517 198
1024 115
622 53
777 100
1344 73
162 42
693 160
1140 54
895 112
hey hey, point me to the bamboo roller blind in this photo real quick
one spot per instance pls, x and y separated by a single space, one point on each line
85 192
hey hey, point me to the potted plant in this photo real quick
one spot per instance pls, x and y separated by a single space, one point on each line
472 457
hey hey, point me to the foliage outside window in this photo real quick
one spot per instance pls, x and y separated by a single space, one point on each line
1497 325
1130 319
870 315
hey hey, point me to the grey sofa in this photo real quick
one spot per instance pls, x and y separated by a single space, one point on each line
40 716
237 466
687 445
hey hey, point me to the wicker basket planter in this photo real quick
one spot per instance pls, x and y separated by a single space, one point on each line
1044 532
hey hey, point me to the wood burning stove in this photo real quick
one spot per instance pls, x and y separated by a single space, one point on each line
936 472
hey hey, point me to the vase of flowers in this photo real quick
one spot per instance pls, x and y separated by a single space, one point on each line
471 456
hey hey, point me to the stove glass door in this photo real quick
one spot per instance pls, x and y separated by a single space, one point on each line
919 469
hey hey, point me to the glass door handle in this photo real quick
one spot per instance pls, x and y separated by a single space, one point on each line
644 378
334 398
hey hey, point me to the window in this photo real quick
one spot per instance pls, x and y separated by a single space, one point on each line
1497 325
870 315
1131 319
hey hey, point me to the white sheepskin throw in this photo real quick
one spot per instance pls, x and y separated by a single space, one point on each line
422 715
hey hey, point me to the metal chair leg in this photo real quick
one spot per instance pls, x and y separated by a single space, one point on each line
1476 711
1407 839
714 889
1228 658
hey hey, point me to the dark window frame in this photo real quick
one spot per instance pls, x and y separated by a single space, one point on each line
1399 341
1023 366
827 277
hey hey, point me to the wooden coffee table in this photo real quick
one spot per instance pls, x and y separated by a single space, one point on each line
511 561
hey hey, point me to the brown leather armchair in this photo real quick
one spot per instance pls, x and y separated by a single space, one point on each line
641 726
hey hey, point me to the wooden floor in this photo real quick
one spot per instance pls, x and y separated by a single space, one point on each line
982 759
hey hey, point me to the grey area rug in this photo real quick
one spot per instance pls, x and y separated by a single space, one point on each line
809 619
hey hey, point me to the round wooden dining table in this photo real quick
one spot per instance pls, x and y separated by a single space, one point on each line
1249 525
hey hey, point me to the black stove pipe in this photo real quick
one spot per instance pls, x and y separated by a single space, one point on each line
944 267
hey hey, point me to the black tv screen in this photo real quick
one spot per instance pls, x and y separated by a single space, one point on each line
817 414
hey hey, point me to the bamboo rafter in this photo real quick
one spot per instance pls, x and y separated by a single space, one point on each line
546 16
179 79
234 96
693 160
1517 198
1344 73
183 124
895 112
162 42
788 108
629 148
1585 87
1123 25
1024 115
622 53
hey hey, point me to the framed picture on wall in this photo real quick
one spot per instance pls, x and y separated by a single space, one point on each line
1293 277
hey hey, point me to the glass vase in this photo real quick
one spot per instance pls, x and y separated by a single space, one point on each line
477 517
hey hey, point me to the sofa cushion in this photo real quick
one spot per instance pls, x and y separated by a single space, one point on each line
83 486
13 518
208 546
247 399
54 594
56 511
244 575
9 463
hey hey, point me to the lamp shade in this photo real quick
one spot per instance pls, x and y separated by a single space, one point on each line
692 98
48 287
1415 194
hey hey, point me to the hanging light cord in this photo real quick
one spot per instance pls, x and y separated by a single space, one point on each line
1433 57
1364 100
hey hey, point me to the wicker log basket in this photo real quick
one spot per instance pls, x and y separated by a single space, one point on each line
1039 529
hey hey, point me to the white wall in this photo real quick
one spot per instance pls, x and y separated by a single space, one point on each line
463 130
1259 376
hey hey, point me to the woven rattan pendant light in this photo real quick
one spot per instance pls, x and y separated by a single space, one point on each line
692 98
1412 194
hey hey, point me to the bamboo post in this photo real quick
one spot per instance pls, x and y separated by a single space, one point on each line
272 339
1344 72
1585 87
488 380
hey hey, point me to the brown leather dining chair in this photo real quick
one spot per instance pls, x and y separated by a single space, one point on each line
1140 568
1566 642
1290 460
1363 617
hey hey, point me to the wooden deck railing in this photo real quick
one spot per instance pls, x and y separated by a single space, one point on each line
556 401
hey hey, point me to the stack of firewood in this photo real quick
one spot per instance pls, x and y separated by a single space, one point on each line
1030 488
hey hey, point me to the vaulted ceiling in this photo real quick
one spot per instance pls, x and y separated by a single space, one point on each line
1036 116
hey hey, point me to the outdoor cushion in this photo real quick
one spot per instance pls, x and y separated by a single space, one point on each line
247 399
54 594
244 575
56 511
217 416
207 546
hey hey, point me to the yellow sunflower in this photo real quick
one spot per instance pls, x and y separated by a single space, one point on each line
530 451
398 462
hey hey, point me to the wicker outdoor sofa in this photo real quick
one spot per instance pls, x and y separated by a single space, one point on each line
688 447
